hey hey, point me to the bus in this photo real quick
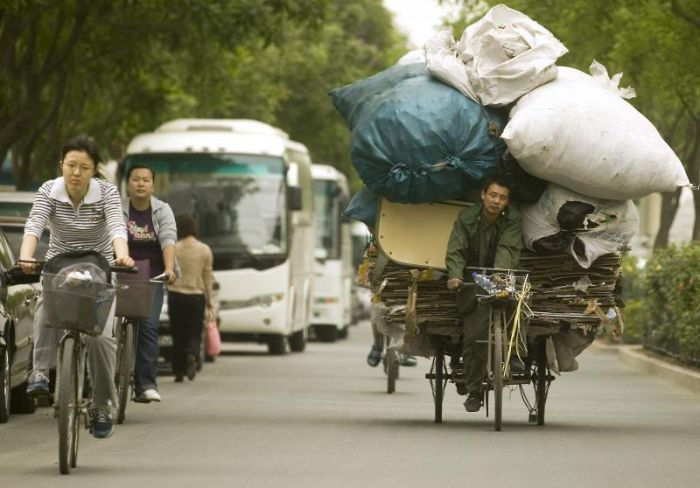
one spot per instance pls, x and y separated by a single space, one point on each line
332 302
249 187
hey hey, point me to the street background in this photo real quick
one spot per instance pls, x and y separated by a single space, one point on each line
322 419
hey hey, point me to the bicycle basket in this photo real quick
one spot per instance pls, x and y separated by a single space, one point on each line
134 299
74 304
499 283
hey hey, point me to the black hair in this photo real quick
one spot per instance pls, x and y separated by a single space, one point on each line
498 180
86 144
140 166
186 226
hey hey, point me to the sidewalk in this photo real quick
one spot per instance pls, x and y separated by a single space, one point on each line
642 360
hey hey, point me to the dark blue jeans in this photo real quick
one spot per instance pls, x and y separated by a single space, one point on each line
146 368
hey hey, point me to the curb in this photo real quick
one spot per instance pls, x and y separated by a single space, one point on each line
633 355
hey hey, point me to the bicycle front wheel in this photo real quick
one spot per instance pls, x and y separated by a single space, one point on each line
497 372
392 370
68 405
125 361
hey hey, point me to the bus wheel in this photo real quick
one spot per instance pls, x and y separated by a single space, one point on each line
297 341
326 333
277 345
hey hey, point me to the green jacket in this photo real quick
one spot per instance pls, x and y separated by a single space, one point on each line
466 246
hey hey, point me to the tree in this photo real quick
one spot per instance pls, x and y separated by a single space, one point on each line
111 68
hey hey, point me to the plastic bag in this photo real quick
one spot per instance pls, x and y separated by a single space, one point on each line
608 227
415 139
363 206
212 345
579 133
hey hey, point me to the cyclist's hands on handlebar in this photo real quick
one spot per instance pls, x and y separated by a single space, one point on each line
29 265
454 283
125 261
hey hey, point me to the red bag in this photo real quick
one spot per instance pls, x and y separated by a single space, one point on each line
212 344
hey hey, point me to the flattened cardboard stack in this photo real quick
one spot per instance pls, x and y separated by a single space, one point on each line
563 294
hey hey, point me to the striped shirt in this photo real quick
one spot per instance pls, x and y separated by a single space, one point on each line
93 225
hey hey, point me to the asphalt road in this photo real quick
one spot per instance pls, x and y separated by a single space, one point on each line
322 419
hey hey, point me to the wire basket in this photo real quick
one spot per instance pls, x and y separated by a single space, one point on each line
70 304
135 299
508 284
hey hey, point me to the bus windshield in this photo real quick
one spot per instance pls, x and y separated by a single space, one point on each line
327 219
239 202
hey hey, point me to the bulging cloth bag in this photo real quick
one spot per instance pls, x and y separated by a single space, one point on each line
499 58
417 140
578 131
584 227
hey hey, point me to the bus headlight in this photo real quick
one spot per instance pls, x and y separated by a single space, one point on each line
256 301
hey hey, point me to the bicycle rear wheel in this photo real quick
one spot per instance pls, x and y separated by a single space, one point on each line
125 361
68 405
497 366
439 385
541 382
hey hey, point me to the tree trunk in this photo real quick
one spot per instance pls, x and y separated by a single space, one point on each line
669 207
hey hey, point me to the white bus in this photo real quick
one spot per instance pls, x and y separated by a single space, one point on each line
250 189
332 303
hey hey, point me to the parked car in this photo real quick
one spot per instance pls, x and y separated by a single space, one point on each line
14 210
17 303
16 203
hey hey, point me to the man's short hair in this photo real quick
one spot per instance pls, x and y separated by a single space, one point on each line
497 180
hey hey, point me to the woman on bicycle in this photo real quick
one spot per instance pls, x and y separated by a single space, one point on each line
84 213
152 236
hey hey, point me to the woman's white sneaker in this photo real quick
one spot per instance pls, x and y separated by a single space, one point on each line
148 396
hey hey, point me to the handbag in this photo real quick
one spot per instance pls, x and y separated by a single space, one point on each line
212 345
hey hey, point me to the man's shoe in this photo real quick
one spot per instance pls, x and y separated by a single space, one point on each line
178 378
191 367
461 388
375 355
38 384
473 402
101 423
517 366
147 396
407 360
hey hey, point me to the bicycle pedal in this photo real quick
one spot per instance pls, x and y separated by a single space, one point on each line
532 418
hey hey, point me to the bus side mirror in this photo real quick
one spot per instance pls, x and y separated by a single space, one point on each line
294 198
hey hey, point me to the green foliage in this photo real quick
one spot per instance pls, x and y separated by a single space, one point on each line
118 68
671 303
632 285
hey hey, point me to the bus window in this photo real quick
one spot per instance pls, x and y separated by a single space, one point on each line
239 202
327 219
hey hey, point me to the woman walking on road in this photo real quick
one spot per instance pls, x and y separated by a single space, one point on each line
84 213
152 236
189 297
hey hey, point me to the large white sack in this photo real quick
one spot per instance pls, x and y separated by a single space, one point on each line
608 228
444 62
578 132
506 55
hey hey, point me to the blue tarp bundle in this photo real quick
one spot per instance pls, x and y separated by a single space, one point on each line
415 139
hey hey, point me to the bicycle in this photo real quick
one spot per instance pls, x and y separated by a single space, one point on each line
77 302
508 302
134 301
